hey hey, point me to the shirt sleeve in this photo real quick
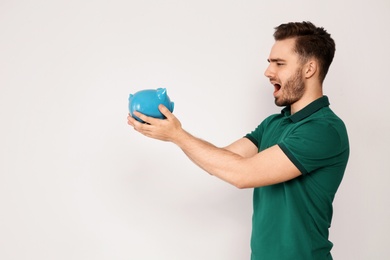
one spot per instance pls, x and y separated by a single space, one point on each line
256 135
313 145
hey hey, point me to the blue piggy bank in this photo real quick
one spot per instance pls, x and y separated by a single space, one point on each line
147 102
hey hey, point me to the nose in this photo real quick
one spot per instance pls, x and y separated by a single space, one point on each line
269 72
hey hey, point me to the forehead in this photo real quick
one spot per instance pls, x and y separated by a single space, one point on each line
283 49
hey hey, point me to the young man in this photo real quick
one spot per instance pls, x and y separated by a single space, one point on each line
294 160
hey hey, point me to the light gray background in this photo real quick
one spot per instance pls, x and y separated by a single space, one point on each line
77 183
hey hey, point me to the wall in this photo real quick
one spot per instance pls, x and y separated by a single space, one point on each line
77 183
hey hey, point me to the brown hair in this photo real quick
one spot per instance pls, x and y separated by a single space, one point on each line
311 41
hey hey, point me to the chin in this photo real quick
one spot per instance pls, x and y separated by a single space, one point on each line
284 102
281 103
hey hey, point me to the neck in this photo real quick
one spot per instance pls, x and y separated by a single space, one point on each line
307 98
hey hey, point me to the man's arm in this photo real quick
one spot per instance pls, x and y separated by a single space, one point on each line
238 164
243 147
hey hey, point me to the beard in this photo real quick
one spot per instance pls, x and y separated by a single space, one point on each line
292 91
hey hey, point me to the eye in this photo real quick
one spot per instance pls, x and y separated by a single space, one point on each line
280 64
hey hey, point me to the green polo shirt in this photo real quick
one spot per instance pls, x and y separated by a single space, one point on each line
291 220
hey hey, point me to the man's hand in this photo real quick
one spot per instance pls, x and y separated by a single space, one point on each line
167 129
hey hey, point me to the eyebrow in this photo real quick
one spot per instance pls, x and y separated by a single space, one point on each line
276 60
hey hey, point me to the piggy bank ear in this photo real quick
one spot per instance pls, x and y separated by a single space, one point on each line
161 93
131 96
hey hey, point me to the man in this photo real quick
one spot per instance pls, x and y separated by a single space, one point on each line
294 160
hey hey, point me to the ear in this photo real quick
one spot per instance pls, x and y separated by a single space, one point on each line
310 68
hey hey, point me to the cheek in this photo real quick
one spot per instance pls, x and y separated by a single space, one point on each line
286 75
283 77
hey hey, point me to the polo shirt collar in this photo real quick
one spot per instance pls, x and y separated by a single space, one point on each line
307 110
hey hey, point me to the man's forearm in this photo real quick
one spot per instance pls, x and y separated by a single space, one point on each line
214 160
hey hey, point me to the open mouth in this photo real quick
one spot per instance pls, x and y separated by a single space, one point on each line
277 87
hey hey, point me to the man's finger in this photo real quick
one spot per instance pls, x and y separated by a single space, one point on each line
165 111
130 120
140 116
146 119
